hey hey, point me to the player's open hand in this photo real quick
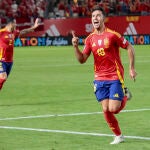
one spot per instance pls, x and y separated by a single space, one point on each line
37 23
75 39
133 74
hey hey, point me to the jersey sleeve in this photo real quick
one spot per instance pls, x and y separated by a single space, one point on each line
121 41
87 47
16 33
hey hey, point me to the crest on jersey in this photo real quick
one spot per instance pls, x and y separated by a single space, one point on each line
10 35
99 42
124 41
106 42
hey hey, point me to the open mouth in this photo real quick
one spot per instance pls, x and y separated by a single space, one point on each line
96 23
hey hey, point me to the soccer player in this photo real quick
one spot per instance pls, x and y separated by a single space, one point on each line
7 37
109 86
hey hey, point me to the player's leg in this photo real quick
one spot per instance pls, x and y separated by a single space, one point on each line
127 96
102 95
110 118
3 77
113 122
122 106
115 103
127 93
3 74
5 69
117 97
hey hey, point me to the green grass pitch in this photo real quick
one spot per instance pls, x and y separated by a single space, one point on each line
50 81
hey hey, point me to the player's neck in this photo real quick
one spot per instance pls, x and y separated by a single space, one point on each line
100 30
8 29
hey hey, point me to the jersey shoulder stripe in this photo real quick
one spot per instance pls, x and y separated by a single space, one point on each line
113 32
89 36
2 30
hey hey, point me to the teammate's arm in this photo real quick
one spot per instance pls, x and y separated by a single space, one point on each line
131 56
79 55
31 29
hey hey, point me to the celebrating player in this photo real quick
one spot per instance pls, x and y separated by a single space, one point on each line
7 37
109 86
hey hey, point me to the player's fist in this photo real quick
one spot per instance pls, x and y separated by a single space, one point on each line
133 74
36 23
75 39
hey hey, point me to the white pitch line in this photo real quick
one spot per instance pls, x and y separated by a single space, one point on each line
63 115
70 132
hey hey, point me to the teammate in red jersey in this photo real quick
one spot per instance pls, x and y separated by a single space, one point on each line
7 37
109 87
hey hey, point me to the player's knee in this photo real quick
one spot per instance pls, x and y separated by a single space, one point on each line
105 109
2 81
114 109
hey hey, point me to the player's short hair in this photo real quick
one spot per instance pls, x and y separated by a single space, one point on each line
10 20
96 7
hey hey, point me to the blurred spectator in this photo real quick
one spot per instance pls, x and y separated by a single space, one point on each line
105 5
49 9
70 8
61 8
83 10
145 7
14 7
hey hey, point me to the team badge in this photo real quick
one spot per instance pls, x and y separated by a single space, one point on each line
124 41
10 35
106 43
99 42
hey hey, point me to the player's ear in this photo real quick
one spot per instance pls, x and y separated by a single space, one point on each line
103 13
104 18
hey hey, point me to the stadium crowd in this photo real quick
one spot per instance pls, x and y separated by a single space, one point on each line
70 8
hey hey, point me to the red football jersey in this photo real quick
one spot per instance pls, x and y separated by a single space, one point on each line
105 49
7 44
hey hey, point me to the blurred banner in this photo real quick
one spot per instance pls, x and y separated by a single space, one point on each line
66 40
125 25
58 31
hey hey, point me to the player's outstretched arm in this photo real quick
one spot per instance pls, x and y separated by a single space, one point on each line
79 55
131 55
31 29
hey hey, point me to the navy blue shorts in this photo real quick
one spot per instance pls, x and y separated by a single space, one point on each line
108 90
5 67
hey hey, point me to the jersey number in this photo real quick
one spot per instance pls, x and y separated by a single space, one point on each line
101 52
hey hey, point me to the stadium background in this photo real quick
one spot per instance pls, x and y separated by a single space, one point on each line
48 103
60 17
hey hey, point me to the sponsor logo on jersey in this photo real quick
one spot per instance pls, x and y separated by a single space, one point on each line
93 45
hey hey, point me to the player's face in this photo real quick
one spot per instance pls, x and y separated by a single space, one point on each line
97 19
13 26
